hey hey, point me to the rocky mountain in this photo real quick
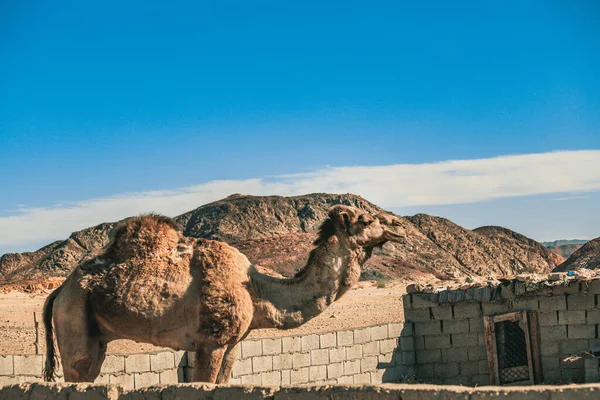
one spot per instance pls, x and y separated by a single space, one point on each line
565 247
277 232
562 242
588 256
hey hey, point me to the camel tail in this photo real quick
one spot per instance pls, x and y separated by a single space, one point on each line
51 359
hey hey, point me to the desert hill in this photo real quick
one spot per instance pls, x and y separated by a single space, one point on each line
565 247
277 232
588 256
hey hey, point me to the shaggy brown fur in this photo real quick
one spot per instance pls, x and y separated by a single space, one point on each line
154 285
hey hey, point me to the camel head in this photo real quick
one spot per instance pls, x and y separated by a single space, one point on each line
357 228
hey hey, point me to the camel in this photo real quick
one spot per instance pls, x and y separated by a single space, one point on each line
153 285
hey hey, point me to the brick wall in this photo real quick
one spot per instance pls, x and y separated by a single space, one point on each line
449 339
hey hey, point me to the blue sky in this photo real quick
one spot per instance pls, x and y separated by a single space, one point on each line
100 100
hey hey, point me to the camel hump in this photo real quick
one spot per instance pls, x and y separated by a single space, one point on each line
144 236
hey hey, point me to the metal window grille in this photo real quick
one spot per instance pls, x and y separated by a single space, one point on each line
512 347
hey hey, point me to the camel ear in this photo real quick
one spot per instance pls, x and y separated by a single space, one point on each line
340 216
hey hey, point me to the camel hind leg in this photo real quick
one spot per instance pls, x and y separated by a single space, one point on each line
81 347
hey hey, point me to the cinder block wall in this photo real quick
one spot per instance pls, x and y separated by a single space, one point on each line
373 354
129 370
449 339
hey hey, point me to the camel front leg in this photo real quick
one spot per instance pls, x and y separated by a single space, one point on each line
227 365
208 363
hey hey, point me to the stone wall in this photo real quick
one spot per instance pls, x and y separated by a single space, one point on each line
449 339
382 392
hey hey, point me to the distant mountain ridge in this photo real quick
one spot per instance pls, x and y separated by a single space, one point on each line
277 232
563 242
588 256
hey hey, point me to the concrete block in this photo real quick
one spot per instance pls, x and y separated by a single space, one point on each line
369 363
310 342
337 354
379 332
345 380
571 317
370 349
362 335
345 338
145 379
408 358
593 316
300 360
475 325
286 377
28 365
423 371
574 346
419 342
113 364
481 339
457 380
493 308
242 367
466 309
254 379
553 333
408 329
552 376
442 311
480 380
581 331
418 315
298 376
271 346
550 362
388 345
407 343
168 377
548 348
235 381
385 360
394 330
419 302
102 378
272 378
528 304
351 367
377 376
328 340
548 318
317 373
354 352
161 361
335 370
291 344
593 287
572 375
319 357
362 379
569 288
553 303
181 357
477 353
137 363
457 326
283 361
428 356
6 365
251 348
581 301
437 342
455 354
428 328
483 366
125 380
464 339
446 370
262 364
181 375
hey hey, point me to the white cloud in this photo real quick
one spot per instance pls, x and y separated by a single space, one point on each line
400 185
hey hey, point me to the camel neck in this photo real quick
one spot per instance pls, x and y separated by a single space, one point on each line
290 302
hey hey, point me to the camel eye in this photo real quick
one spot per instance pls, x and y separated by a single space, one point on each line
396 223
364 220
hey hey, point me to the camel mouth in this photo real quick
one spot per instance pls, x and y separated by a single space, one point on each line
393 236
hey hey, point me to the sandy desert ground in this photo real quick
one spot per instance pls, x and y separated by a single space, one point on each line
362 306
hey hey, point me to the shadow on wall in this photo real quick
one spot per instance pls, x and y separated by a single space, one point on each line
399 366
